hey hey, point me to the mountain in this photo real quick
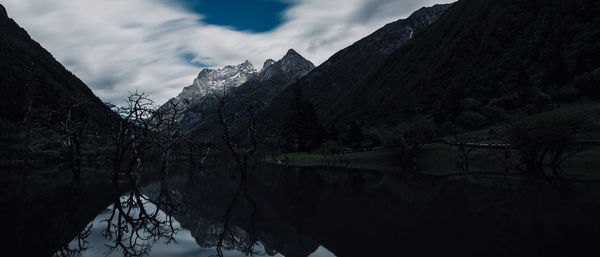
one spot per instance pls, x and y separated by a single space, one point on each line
210 80
259 91
29 71
120 110
345 69
481 62
291 66
34 87
272 79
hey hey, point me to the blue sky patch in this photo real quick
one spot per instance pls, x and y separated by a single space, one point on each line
192 59
243 15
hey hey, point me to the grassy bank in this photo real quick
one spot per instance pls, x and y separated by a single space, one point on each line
441 159
378 159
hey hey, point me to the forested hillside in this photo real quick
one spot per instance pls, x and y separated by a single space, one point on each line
482 62
345 69
37 93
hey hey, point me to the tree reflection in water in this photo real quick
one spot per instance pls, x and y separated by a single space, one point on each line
136 222
236 238
294 211
81 239
81 244
145 215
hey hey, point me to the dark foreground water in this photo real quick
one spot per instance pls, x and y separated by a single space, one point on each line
279 211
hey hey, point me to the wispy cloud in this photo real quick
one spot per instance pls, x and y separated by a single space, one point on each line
117 46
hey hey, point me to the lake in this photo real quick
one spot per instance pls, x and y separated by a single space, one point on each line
292 211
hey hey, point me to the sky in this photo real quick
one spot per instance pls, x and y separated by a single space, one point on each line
159 46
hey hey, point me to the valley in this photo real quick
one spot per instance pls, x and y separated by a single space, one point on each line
467 129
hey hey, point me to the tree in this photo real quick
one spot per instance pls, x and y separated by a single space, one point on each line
242 158
589 84
166 131
73 117
143 128
26 127
558 72
302 130
131 135
353 135
415 133
550 136
136 221
334 134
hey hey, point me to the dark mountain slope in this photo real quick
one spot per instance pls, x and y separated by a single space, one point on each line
346 68
29 71
31 77
483 60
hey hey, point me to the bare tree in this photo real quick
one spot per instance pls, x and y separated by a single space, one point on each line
129 132
26 126
240 157
167 132
243 159
277 144
198 155
464 149
74 118
506 155
136 134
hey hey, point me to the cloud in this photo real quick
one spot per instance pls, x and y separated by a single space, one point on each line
118 46
375 9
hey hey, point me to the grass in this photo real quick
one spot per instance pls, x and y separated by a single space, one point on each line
441 159
378 159
585 165
434 158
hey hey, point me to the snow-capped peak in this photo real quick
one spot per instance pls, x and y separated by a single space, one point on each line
211 80
120 110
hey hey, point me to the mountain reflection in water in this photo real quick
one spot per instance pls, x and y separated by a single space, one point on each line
317 212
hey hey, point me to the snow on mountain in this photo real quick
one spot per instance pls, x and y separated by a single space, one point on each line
211 80
120 110
259 90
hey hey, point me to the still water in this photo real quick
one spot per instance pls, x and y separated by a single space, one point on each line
289 211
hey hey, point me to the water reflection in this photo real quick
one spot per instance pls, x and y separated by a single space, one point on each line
317 212
143 222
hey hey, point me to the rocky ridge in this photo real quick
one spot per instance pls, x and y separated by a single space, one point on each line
259 91
213 80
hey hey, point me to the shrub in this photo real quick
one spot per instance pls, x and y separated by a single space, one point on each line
551 134
471 120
